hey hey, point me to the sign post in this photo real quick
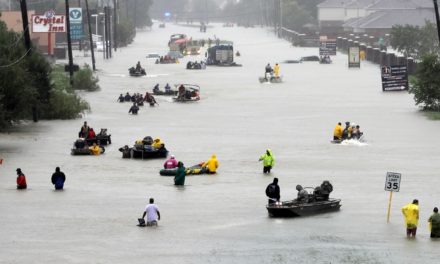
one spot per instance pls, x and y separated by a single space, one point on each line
392 184
327 46
354 57
394 78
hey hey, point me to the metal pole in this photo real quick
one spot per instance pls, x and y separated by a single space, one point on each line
437 19
90 36
69 44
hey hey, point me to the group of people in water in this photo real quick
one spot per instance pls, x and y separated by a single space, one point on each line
58 178
138 100
156 88
184 94
270 72
325 59
166 59
320 193
196 65
351 131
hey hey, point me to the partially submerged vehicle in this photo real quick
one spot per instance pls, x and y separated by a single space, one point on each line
193 170
310 58
187 93
295 208
222 54
271 79
136 73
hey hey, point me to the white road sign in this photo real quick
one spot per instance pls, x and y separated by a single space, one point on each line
392 182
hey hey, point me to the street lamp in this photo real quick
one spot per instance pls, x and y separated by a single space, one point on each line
96 21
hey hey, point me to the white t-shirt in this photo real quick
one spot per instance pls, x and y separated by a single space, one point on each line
151 210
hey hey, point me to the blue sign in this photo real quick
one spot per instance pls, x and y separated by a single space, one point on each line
76 31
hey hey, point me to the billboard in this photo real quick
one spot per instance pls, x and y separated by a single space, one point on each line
394 78
49 22
327 46
76 26
353 57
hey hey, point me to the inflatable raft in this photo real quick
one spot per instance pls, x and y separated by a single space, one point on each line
84 151
194 170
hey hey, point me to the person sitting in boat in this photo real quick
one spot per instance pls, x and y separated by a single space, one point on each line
167 88
326 188
133 109
203 64
188 94
237 53
91 134
303 195
156 88
346 133
276 70
181 93
171 163
161 59
95 149
157 143
138 66
189 65
121 98
126 152
356 133
147 141
211 165
127 97
337 132
80 143
268 70
273 192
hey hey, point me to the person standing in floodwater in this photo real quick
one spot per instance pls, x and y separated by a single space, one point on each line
58 179
273 192
152 213
411 214
434 223
268 161
21 180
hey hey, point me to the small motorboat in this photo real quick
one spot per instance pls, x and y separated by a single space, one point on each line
101 139
166 92
148 152
193 170
134 73
294 208
187 93
271 79
84 151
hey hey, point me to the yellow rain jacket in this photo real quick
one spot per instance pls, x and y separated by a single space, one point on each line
96 150
211 164
276 70
338 131
157 143
411 214
268 160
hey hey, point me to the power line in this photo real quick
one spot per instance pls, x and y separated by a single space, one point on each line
15 62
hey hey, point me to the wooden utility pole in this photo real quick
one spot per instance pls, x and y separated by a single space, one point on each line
115 23
92 49
437 19
69 43
25 20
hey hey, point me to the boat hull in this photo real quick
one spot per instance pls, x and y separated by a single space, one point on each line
293 209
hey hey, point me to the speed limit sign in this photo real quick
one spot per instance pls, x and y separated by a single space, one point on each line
392 182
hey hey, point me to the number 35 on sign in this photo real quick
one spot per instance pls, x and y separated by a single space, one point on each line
392 182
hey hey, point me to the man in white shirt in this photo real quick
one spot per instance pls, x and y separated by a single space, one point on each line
152 213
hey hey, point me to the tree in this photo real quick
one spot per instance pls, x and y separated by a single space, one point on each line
426 84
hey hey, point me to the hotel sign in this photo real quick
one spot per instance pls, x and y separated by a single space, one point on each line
49 22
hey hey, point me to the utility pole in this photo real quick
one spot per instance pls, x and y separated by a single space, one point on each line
25 20
69 43
105 32
115 20
90 36
109 31
281 18
437 19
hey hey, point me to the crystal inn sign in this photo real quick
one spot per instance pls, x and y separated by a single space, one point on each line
49 22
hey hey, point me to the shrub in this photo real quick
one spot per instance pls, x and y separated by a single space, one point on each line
84 79
426 84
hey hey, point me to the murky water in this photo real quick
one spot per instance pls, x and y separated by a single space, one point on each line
222 218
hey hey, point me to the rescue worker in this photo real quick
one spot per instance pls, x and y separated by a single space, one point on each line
150 99
121 98
157 143
179 179
434 223
346 133
134 109
91 134
58 179
171 163
95 149
337 132
268 70
21 180
326 188
126 152
127 97
167 88
276 70
411 214
156 88
303 195
84 131
211 165
138 66
268 161
273 192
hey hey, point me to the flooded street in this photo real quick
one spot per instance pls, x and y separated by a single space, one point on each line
222 218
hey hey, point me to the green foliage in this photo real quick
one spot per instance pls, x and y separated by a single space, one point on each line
426 84
414 41
85 80
27 83
125 33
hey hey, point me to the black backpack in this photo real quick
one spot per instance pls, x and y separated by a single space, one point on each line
270 190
